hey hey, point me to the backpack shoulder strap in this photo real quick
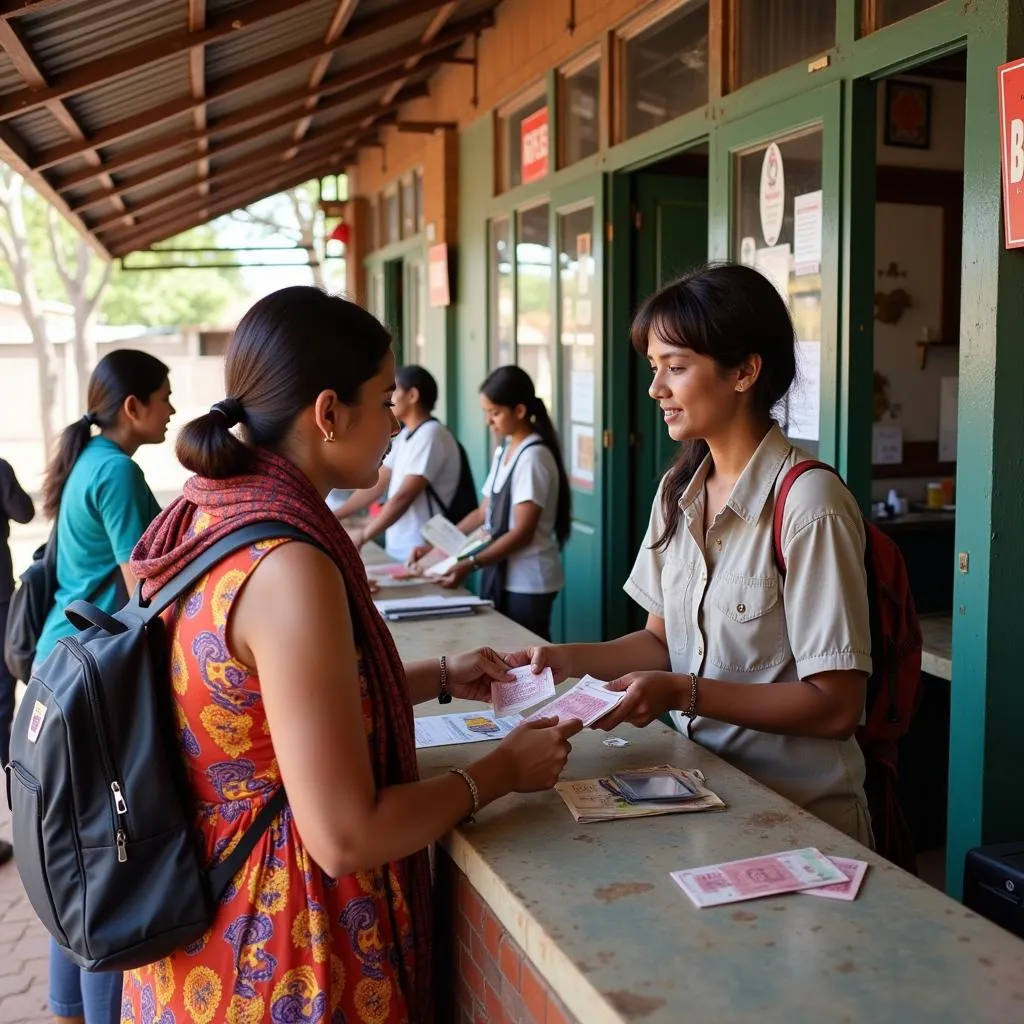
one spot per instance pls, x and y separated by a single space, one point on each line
81 614
792 475
221 876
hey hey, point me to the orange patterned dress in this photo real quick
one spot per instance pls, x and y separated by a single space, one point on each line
289 945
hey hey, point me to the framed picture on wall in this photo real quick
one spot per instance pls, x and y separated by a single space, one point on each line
908 114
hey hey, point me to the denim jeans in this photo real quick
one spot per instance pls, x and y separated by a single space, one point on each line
78 993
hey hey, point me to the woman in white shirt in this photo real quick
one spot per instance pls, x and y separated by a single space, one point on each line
525 508
722 620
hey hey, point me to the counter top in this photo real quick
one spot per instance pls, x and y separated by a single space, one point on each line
937 655
596 913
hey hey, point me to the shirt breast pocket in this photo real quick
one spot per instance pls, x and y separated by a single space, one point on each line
746 627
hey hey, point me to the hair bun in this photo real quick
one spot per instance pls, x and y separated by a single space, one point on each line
231 409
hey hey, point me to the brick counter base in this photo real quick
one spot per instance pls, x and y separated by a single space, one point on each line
483 976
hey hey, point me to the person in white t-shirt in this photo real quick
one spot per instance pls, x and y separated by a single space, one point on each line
525 508
424 457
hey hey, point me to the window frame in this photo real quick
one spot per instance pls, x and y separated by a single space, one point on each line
502 136
594 54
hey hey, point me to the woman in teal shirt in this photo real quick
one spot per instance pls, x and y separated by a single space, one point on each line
102 506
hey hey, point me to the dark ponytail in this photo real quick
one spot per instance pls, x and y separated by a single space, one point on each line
510 386
119 375
728 312
291 345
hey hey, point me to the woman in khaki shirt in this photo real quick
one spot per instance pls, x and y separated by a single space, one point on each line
722 622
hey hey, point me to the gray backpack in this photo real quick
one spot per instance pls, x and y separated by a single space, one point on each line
102 812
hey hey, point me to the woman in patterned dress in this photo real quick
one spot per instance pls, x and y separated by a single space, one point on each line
284 673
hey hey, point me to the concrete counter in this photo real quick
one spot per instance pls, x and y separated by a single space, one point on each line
582 922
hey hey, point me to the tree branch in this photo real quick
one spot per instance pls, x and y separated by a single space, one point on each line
246 216
58 261
100 287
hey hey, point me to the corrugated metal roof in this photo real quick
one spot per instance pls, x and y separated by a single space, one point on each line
39 128
380 42
307 23
10 77
258 94
149 108
132 94
66 35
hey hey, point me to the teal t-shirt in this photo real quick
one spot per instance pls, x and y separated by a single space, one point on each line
104 510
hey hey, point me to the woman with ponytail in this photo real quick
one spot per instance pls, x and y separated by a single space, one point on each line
284 673
100 502
525 509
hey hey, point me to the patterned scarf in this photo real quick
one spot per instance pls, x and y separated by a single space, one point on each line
279 491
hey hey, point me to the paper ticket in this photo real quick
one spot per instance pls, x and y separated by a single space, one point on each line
754 877
854 870
588 701
522 691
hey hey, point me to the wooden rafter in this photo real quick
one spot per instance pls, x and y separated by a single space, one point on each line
342 16
237 19
438 22
328 135
16 48
283 62
13 8
217 204
260 113
197 74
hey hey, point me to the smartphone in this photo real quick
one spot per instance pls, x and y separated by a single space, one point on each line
646 787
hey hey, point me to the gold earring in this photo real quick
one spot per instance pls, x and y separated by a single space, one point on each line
329 438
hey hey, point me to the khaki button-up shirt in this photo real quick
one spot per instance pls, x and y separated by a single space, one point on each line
730 615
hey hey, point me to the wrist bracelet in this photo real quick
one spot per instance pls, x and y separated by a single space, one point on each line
443 696
472 561
690 712
473 792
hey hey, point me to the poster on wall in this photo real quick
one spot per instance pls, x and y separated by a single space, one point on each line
772 199
581 467
807 229
581 396
533 134
774 263
583 263
1011 129
438 290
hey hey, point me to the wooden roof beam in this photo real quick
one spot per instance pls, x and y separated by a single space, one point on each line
14 8
243 164
126 62
342 16
16 48
283 62
438 22
217 205
197 75
260 113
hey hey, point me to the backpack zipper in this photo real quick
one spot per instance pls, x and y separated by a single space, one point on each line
87 661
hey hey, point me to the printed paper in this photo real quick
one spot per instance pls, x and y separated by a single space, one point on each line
854 871
588 701
754 877
470 727
522 691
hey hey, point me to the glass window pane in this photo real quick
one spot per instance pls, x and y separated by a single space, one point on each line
417 292
581 113
666 69
503 306
534 336
777 219
890 11
511 135
392 218
408 208
578 349
779 34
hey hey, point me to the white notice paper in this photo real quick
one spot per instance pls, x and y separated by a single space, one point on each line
470 727
807 222
803 403
443 534
522 691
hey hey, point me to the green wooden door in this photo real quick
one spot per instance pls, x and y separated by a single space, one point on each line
671 237
775 204
394 307
577 222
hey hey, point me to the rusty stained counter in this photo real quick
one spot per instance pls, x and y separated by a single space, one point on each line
599 919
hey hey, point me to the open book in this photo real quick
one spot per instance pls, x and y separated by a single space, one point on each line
447 537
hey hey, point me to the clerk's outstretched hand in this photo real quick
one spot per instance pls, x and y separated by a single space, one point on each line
550 656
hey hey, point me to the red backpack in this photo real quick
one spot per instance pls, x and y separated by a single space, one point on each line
894 686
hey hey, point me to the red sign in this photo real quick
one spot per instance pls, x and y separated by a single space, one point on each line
438 290
534 146
1011 125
